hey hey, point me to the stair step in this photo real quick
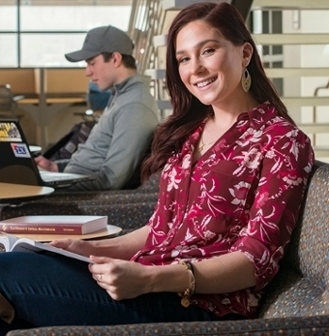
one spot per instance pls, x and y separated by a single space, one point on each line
291 39
271 72
160 40
296 72
314 128
288 101
291 4
156 73
269 39
179 4
305 101
321 152
164 105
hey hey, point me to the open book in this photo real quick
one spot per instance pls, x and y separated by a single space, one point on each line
11 243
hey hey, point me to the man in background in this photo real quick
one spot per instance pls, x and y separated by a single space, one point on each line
117 144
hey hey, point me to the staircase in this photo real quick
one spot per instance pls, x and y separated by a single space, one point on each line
293 40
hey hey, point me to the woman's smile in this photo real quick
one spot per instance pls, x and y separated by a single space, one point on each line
205 82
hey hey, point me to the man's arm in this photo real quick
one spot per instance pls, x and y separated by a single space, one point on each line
132 132
61 164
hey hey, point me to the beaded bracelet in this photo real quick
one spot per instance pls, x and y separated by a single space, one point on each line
185 301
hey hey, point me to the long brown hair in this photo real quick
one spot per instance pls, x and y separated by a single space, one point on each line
188 111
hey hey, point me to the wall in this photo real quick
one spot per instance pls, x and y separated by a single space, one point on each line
59 82
308 56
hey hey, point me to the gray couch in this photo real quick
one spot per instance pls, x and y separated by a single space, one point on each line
296 302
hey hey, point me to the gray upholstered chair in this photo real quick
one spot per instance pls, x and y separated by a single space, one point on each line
296 302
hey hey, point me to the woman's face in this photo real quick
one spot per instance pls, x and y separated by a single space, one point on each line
210 66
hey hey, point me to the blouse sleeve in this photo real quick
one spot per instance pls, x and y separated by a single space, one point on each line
279 194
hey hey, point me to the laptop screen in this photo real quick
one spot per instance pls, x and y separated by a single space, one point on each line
16 164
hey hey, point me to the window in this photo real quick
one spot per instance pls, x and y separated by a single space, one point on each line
37 33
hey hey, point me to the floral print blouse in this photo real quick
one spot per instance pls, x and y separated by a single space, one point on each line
243 194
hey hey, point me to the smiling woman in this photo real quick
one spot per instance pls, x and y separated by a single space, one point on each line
212 68
234 169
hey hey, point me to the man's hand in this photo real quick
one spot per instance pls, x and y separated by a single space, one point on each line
46 164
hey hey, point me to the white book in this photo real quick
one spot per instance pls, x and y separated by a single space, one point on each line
11 243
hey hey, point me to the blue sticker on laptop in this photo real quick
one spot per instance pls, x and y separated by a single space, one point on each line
20 150
9 132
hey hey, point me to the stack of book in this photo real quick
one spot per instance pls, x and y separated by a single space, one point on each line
54 225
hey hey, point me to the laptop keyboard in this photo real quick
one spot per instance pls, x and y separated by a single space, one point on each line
48 177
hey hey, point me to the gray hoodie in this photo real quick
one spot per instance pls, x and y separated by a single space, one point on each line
118 142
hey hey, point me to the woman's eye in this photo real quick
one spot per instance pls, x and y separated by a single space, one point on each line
208 51
183 59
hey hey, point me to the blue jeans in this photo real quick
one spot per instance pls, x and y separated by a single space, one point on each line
48 290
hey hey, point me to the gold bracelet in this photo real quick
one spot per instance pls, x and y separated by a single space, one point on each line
185 301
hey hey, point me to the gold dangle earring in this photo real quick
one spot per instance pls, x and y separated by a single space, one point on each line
246 80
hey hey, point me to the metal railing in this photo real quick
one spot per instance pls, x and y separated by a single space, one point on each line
146 21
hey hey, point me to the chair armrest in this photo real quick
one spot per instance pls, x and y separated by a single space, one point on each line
314 325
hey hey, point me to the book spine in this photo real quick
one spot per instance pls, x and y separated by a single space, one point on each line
41 229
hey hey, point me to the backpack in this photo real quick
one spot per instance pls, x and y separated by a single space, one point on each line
68 144
98 99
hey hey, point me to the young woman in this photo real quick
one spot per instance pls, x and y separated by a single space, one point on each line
234 170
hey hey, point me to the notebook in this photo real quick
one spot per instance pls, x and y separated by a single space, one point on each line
17 163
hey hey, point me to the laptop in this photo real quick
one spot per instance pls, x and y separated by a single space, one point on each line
17 163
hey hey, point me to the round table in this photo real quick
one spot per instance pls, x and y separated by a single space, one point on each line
13 193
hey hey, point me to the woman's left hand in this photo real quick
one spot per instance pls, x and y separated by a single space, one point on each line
120 278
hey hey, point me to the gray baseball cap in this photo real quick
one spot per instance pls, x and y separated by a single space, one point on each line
102 39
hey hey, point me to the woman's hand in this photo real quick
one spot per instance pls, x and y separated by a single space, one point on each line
121 279
82 247
121 247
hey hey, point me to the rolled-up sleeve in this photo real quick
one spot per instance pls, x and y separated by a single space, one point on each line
273 215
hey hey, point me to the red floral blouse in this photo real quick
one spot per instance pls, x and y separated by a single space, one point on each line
243 194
